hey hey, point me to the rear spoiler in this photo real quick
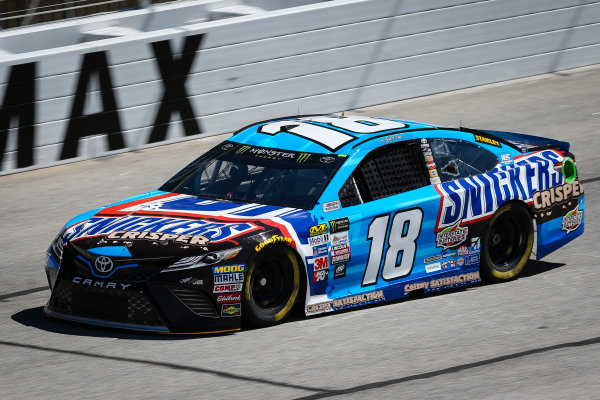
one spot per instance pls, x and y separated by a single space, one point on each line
520 141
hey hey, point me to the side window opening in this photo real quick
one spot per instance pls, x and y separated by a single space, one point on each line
384 172
456 159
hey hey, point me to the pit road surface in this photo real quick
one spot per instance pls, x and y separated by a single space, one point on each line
536 338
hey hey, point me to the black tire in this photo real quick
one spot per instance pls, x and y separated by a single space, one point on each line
507 243
272 286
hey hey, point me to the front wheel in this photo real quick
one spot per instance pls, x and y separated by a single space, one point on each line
272 286
507 243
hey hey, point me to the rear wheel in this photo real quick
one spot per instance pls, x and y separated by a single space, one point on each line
507 243
271 287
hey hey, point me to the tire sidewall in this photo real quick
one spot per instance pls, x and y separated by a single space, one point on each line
265 317
487 267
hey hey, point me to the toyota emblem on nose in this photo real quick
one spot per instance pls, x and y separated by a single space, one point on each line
103 264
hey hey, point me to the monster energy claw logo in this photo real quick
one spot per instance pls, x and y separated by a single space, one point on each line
242 149
303 157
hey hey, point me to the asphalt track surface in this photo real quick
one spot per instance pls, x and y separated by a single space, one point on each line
534 338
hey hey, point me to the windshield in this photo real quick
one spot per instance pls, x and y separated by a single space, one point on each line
254 174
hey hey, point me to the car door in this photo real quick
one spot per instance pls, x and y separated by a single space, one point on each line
382 231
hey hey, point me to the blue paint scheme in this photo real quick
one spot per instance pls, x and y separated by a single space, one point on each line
430 202
111 251
551 236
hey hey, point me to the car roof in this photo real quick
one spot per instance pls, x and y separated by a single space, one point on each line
288 140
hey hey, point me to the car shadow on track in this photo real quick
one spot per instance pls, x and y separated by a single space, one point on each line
33 317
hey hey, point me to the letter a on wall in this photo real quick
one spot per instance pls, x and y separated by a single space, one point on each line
106 122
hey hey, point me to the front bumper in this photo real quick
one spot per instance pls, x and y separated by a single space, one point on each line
164 304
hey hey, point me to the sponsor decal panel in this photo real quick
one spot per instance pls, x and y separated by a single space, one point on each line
231 310
317 230
226 269
321 263
344 302
446 282
340 259
340 239
331 206
339 271
320 250
320 275
452 236
236 277
229 298
190 280
271 240
317 240
339 225
572 220
429 268
432 259
233 287
472 260
487 140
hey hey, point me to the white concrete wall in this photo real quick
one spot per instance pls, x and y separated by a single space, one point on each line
315 58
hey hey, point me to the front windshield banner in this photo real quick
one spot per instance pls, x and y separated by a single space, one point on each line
254 174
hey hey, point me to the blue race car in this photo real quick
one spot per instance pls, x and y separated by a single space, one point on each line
326 212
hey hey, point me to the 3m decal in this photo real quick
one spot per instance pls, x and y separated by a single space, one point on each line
321 263
402 234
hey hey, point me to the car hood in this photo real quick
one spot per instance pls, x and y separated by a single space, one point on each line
160 223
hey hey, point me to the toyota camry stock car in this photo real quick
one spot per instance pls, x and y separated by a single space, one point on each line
323 211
